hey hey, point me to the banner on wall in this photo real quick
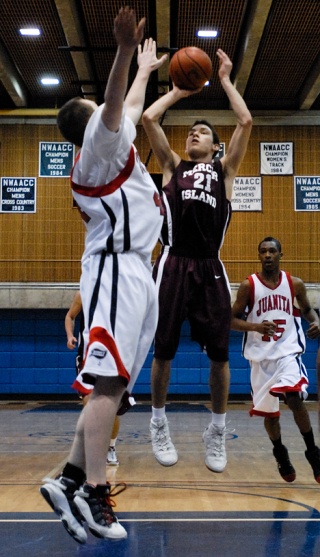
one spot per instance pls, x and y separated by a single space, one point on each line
18 195
247 194
276 158
221 151
55 159
307 193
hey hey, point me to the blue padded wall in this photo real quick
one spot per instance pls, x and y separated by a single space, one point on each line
35 359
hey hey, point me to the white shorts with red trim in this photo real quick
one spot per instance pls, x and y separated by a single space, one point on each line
272 378
82 387
120 312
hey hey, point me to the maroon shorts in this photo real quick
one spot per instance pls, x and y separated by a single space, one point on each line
197 290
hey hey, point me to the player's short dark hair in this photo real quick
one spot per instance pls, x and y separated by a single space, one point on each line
72 120
271 239
215 137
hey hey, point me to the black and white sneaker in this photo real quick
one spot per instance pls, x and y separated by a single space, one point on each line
96 508
59 494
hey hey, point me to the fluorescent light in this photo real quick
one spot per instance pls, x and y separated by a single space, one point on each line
50 81
208 34
30 32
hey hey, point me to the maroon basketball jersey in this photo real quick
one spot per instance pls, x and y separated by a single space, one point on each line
197 211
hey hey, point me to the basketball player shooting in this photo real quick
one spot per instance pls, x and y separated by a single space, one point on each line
190 277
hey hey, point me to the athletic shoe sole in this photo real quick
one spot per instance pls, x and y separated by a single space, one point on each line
288 477
59 504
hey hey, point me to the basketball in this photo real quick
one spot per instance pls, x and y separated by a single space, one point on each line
190 68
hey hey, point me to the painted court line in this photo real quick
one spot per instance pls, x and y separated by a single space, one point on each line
307 519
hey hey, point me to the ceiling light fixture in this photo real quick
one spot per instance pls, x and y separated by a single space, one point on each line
31 32
50 81
209 34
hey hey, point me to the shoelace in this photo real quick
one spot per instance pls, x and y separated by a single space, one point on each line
215 444
111 456
161 436
107 503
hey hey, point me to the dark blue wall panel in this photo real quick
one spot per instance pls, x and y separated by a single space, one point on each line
34 359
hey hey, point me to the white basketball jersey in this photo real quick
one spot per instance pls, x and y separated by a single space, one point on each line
277 305
115 194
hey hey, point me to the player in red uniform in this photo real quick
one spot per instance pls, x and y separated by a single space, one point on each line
189 274
113 191
273 343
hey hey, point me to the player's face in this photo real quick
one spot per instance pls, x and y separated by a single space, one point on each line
200 142
269 256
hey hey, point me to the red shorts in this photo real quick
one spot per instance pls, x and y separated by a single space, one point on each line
197 290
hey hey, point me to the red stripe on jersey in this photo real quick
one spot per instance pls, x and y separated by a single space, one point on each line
105 189
251 293
296 312
289 279
98 334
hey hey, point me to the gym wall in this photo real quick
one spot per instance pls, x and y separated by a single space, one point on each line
40 259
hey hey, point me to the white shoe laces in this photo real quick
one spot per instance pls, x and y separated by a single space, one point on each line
161 436
216 439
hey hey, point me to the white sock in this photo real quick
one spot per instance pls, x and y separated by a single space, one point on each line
158 413
218 420
113 442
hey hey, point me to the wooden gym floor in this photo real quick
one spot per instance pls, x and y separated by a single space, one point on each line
184 510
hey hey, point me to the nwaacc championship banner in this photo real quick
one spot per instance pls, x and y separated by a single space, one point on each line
276 158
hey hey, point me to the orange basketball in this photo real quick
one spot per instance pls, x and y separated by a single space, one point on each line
190 68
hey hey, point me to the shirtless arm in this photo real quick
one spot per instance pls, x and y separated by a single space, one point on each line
147 63
240 137
69 321
128 35
168 160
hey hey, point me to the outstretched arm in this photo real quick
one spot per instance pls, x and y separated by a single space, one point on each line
147 62
167 159
239 140
128 35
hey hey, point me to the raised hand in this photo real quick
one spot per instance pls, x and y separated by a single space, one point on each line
127 32
147 56
225 64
